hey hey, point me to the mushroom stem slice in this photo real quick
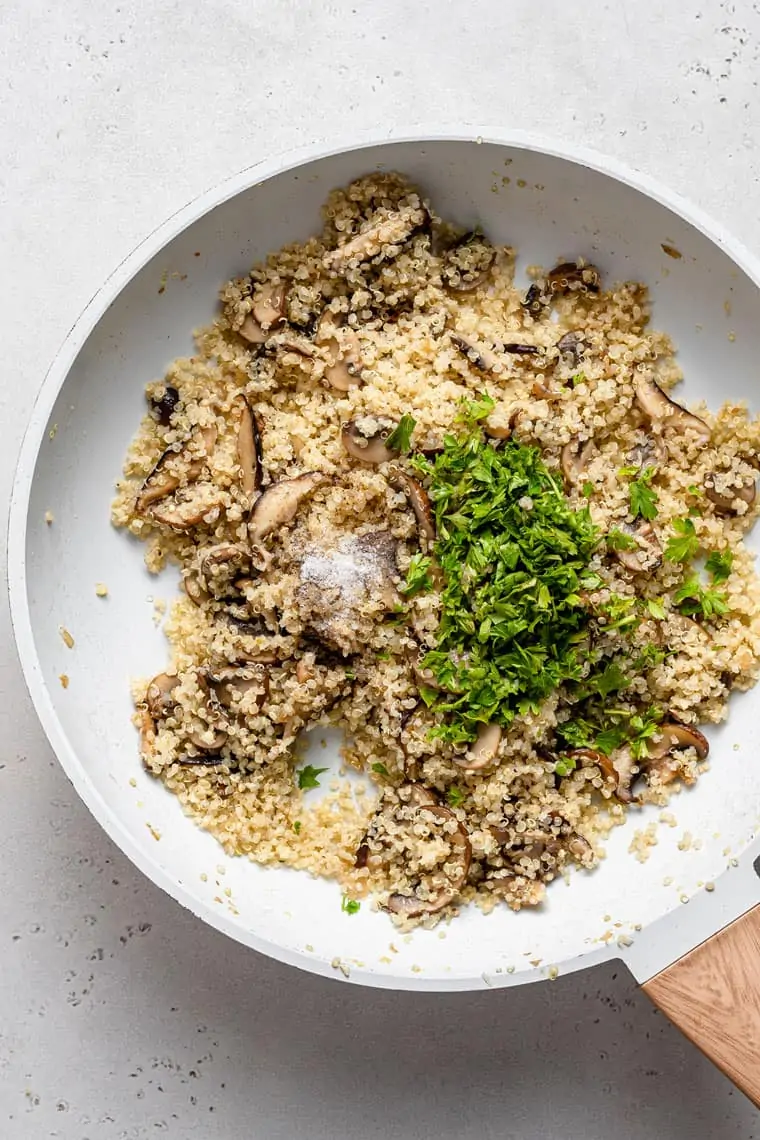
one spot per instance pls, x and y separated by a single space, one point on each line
573 460
572 276
419 501
367 444
483 750
658 406
270 304
478 355
279 503
189 507
674 737
248 448
648 553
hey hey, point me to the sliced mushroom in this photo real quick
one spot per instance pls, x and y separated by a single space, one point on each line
344 370
188 507
279 503
230 685
419 500
217 738
158 696
592 757
252 331
535 299
573 460
177 467
648 553
479 356
652 452
467 264
659 406
221 568
726 501
248 448
571 277
571 345
675 737
440 888
483 750
268 310
367 442
391 230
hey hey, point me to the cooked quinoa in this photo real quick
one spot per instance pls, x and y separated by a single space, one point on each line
321 473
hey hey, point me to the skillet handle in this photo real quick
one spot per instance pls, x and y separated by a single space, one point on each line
713 995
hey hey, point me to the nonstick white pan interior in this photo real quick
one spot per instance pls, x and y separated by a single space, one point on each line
550 208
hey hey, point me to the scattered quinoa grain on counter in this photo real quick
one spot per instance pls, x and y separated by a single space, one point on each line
101 590
49 519
64 679
66 637
466 523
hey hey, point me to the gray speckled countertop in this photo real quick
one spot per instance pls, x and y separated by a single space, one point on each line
121 1016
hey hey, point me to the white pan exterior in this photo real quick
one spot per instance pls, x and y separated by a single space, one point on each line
551 206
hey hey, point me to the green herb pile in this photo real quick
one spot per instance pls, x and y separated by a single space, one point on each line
514 557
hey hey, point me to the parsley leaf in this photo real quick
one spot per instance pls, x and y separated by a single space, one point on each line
587 490
473 411
578 378
418 577
349 906
565 765
618 540
455 796
656 609
643 499
307 777
380 769
694 599
400 439
297 827
683 544
718 565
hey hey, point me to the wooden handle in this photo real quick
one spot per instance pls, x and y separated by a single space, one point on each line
713 995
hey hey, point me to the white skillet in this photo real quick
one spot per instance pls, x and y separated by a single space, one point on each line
551 202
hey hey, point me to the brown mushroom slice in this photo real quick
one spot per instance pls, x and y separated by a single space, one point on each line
419 501
573 459
158 695
655 403
612 775
222 569
438 893
571 344
217 740
164 407
572 276
478 355
252 331
204 761
483 750
652 452
230 686
725 502
648 553
248 448
189 507
393 229
467 264
344 368
270 304
365 441
279 503
176 467
535 299
675 737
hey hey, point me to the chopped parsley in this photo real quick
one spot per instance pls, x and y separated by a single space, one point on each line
380 769
578 378
418 577
683 544
349 906
511 619
618 540
307 777
718 565
455 796
400 439
565 765
643 500
297 827
587 490
695 599
606 727
656 609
